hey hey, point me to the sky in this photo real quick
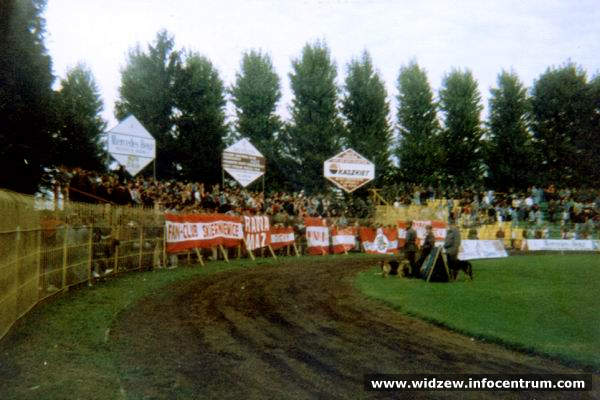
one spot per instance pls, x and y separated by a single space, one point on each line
486 37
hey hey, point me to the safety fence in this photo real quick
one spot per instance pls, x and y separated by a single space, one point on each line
44 251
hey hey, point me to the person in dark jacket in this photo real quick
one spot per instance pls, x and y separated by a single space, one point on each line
452 246
410 249
428 245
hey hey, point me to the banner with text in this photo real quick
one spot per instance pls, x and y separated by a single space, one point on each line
184 232
282 236
317 235
562 245
257 231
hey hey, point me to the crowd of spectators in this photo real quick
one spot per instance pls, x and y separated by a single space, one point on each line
577 210
117 187
573 210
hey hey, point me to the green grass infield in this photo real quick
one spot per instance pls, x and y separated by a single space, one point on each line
544 304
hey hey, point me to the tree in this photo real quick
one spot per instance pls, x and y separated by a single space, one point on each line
200 123
365 109
509 156
255 95
593 148
461 146
563 109
146 91
315 130
79 124
26 116
417 152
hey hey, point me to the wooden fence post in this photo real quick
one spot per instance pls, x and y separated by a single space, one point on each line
116 260
224 253
164 249
141 247
15 294
65 258
248 249
272 252
39 262
90 254
199 255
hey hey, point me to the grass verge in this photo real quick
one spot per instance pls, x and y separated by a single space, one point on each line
544 304
61 348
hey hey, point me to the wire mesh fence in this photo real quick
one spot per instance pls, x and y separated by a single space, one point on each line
45 249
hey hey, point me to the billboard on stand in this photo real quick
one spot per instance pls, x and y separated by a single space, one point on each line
349 170
243 162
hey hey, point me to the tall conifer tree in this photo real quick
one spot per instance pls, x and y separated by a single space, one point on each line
461 145
315 131
365 109
26 112
417 150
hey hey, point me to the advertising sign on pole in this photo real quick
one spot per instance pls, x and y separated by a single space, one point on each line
349 170
131 145
243 162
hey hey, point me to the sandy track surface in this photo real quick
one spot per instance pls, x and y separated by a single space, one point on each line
294 331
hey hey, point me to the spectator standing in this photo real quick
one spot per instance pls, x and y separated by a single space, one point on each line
410 249
452 246
428 245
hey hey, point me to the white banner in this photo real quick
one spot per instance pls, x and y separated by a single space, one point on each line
317 236
182 232
475 249
562 245
257 231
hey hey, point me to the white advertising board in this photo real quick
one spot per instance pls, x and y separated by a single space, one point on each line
562 245
475 249
131 145
243 162
349 170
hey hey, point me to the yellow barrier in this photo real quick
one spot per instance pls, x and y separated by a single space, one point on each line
45 250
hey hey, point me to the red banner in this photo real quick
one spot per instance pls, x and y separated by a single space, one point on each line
317 235
439 230
379 241
184 232
282 236
343 239
257 231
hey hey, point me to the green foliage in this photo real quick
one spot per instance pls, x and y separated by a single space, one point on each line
461 146
593 147
563 109
365 109
79 124
255 95
26 115
146 91
200 124
315 131
542 303
509 156
418 125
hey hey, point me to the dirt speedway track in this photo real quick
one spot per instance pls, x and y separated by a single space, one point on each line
294 331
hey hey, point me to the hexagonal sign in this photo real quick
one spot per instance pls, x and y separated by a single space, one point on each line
131 145
349 170
243 162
